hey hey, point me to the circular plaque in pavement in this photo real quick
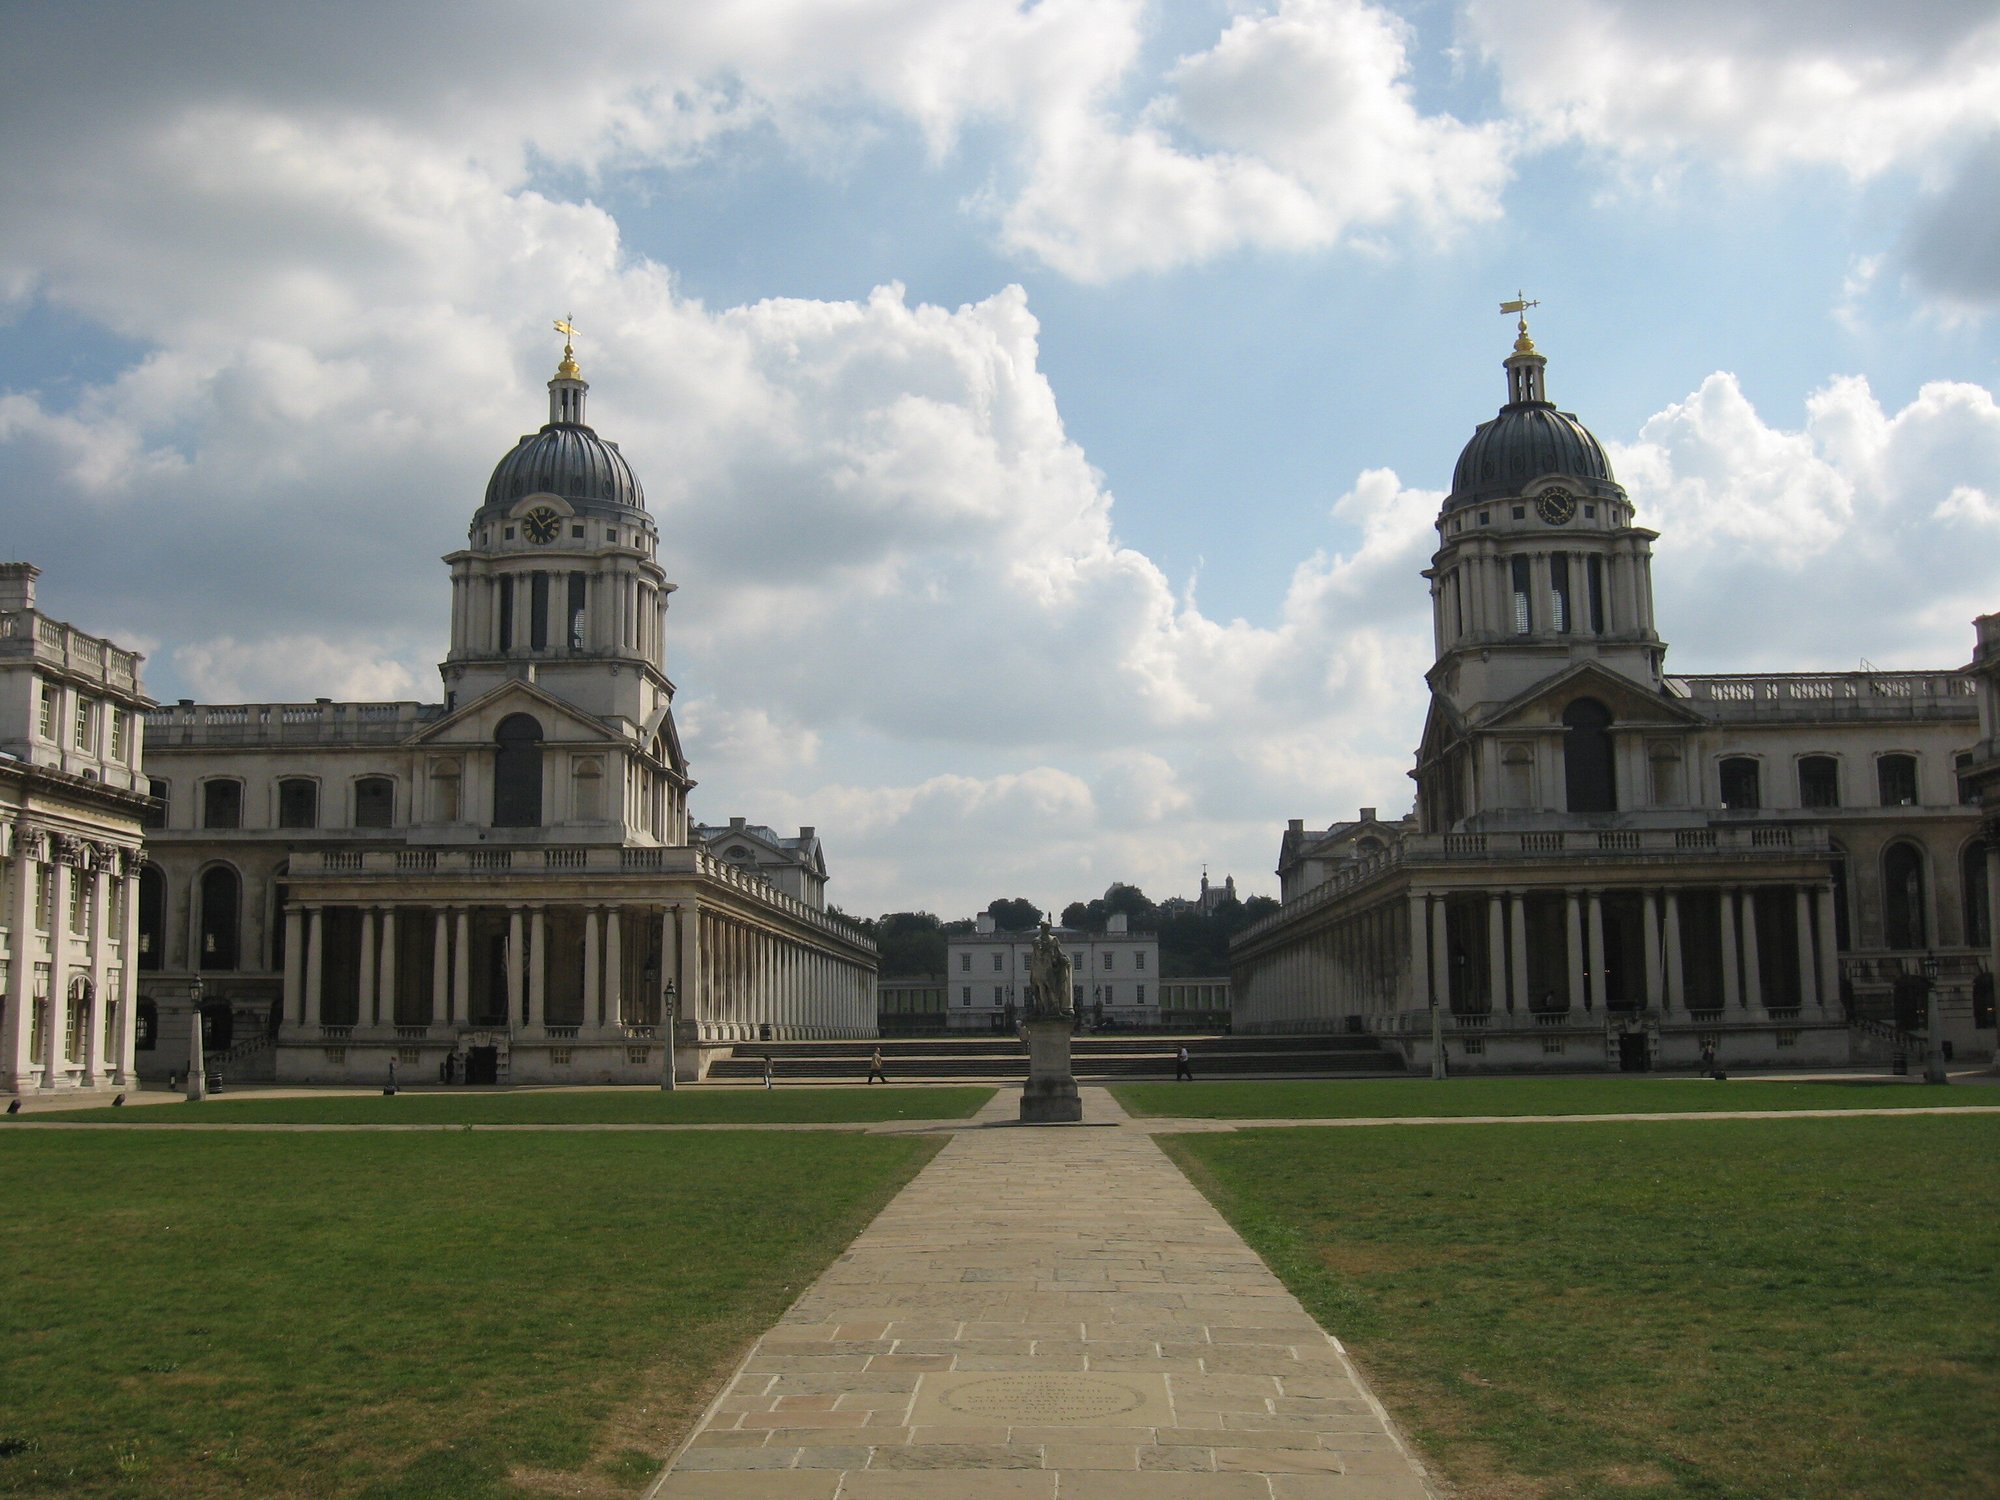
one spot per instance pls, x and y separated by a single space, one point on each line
1029 1398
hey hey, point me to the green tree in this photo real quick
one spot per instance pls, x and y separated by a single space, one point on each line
1015 915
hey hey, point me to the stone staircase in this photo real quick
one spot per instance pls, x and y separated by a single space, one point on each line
1105 1056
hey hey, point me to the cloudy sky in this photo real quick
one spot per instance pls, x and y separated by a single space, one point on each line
1044 405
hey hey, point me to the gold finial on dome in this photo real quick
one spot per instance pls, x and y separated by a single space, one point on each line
567 370
1520 305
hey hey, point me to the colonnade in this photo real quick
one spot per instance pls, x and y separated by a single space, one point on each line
1481 587
1352 964
732 976
69 1019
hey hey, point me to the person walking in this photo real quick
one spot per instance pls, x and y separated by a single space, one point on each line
875 1067
1183 1068
767 1070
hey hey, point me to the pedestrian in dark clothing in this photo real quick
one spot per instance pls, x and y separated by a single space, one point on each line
767 1070
1182 1067
875 1067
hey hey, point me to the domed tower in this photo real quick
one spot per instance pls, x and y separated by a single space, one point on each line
1539 566
560 582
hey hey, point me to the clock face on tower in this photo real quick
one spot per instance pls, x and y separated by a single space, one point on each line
541 525
1556 507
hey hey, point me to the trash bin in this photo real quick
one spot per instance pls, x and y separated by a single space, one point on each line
764 1031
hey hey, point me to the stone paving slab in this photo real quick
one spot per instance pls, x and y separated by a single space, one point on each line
1052 1313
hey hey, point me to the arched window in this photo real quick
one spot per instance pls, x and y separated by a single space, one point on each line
375 802
222 804
1903 897
1819 781
298 802
155 815
1587 767
1973 897
517 773
76 1020
221 918
152 918
1741 785
1896 776
589 799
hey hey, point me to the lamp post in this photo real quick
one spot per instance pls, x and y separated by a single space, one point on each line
1933 1050
197 1080
667 998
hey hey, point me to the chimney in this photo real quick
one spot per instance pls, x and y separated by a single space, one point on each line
806 831
17 585
1297 825
736 824
1367 814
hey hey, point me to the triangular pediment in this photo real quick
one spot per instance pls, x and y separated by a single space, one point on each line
474 723
1630 703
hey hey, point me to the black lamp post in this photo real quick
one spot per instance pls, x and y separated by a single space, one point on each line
667 998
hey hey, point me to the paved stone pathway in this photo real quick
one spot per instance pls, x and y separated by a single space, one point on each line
1053 1314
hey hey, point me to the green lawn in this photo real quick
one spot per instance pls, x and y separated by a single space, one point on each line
1364 1098
694 1106
1716 1310
396 1314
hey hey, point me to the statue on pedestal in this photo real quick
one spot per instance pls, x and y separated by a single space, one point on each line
1049 1095
1050 980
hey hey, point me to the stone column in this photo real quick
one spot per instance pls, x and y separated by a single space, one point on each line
461 969
295 965
385 991
14 1038
687 959
1992 900
1725 903
1599 992
1753 981
1654 989
593 994
516 969
1573 922
56 1023
437 997
1808 990
100 966
1829 956
614 970
1676 968
315 967
1441 956
128 985
366 1014
538 966
1496 954
1523 1001
1420 954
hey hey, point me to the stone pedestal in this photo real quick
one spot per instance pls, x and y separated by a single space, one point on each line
1049 1096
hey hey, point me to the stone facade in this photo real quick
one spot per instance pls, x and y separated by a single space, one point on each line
506 884
1610 865
71 799
986 974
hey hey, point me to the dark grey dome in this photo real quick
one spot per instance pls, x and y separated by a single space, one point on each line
1527 441
566 459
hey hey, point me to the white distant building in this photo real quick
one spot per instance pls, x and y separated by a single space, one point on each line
1116 975
72 734
1611 865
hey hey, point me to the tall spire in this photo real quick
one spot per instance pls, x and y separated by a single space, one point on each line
566 390
1526 366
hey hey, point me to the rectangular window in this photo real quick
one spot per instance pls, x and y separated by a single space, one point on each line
222 804
1595 572
1559 591
1457 605
506 587
999 962
1139 959
966 995
998 994
155 817
43 902
119 720
538 611
83 723
1819 781
298 803
1523 619
1896 776
1110 960
1139 994
576 607
46 724
965 963
79 904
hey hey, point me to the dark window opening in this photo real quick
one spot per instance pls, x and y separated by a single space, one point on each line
1978 914
222 804
146 1027
298 803
1741 791
538 611
152 918
1903 897
506 614
1596 572
375 802
1819 781
1523 618
221 918
1842 939
155 816
1559 592
517 773
1896 776
1588 774
576 609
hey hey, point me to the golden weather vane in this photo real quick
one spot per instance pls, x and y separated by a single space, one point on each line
567 329
1519 306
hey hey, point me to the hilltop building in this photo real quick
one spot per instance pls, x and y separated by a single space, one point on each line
1609 864
504 886
72 730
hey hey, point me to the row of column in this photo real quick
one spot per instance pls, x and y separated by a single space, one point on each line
1353 965
751 976
1486 592
1662 943
621 611
109 995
